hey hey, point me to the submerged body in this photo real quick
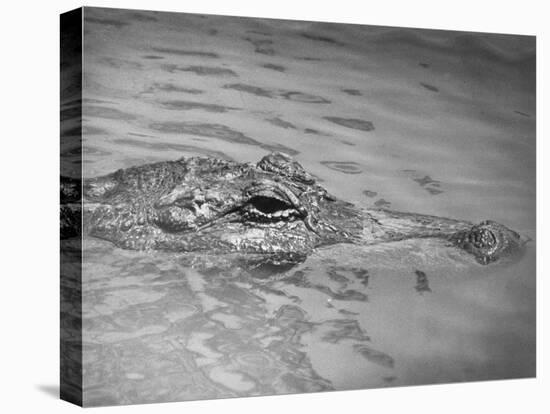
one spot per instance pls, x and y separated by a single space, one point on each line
273 208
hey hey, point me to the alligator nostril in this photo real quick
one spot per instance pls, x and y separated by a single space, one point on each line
483 238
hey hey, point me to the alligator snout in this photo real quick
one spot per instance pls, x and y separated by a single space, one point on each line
488 241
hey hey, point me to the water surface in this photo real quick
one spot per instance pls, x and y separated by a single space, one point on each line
434 122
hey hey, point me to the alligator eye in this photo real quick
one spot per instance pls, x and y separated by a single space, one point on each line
272 201
269 208
269 205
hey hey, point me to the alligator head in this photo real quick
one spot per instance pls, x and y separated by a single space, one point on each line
272 208
218 206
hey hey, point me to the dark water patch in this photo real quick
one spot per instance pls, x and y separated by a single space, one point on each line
281 123
422 284
107 113
301 384
362 275
426 180
434 191
424 65
345 329
277 93
347 312
254 90
213 32
274 67
190 105
316 132
348 294
352 123
346 167
217 131
168 146
170 87
374 356
369 193
309 58
304 97
300 279
185 52
152 57
135 134
429 87
352 92
320 38
522 114
337 274
262 46
345 274
118 63
106 22
429 184
381 203
205 130
200 70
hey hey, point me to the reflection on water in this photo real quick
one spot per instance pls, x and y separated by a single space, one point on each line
157 329
426 121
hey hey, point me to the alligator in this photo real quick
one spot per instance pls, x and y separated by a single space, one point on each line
273 209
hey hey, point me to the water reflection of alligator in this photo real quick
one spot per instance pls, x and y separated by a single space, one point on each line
273 208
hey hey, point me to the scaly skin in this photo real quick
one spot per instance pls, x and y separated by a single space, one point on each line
273 208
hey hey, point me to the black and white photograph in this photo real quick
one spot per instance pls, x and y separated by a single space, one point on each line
247 207
256 207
